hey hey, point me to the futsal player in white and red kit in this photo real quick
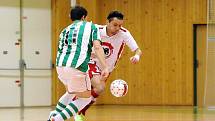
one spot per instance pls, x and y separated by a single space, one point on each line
114 37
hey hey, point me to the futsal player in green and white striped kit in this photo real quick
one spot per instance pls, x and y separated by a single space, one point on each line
74 51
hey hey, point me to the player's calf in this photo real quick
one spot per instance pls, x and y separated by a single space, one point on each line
99 89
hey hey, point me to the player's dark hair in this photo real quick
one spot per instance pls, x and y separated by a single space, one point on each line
114 14
77 13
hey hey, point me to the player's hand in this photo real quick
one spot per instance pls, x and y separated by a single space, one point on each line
105 73
134 59
93 55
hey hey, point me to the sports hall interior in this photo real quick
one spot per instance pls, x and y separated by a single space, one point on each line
174 80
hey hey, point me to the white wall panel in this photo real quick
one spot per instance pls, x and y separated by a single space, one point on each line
37 33
9 89
9 34
37 88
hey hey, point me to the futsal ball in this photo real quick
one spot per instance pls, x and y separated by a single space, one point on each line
119 88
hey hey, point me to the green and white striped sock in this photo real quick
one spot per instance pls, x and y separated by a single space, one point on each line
72 109
63 102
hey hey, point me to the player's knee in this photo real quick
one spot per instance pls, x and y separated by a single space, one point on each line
101 88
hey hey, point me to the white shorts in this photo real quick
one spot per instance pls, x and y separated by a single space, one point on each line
75 80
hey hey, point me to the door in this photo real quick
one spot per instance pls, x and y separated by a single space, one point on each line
201 37
25 53
210 83
206 65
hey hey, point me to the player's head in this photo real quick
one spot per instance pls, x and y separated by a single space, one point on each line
78 13
114 22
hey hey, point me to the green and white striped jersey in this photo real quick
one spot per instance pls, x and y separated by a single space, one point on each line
75 45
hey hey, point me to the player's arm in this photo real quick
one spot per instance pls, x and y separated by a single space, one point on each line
134 47
101 57
99 50
134 59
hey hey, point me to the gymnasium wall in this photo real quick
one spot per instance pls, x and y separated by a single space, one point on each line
163 30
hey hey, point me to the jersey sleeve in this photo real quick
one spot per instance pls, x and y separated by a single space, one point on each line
130 42
95 33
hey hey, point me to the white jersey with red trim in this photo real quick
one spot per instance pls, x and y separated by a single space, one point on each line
113 46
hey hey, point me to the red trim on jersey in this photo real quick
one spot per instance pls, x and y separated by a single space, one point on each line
123 29
120 52
101 27
93 69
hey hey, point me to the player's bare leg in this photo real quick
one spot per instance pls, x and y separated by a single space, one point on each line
98 84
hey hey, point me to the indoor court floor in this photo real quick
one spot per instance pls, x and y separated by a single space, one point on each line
115 113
